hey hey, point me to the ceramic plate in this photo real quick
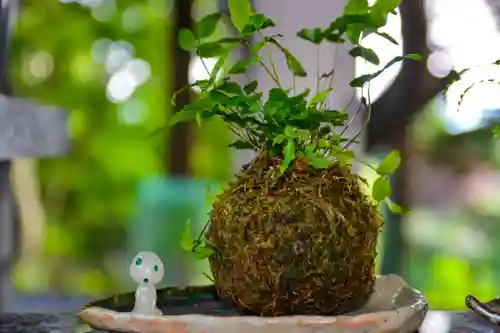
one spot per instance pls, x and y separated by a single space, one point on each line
393 307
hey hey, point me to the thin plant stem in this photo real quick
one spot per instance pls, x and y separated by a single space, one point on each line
330 84
365 125
346 127
318 76
270 59
268 71
204 65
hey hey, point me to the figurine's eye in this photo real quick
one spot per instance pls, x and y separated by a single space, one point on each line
156 268
138 261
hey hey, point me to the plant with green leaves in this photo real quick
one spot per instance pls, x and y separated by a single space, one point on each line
295 231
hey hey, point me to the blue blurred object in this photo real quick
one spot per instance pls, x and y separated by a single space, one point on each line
164 205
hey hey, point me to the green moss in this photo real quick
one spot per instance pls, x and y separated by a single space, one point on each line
299 243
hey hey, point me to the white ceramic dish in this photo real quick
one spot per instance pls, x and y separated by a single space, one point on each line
393 307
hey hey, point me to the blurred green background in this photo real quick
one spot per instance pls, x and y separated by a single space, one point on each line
109 63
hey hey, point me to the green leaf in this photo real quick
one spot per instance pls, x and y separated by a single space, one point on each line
186 241
292 62
387 36
256 23
413 56
315 35
289 155
386 6
184 115
207 25
241 145
345 157
361 80
257 47
381 9
230 88
291 132
241 66
356 7
250 87
381 188
279 139
397 209
240 12
203 252
318 162
218 66
390 163
202 84
321 96
365 53
353 33
187 41
211 50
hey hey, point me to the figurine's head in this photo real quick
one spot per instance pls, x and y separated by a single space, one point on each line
146 268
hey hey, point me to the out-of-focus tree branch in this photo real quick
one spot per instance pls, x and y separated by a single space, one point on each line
413 87
495 9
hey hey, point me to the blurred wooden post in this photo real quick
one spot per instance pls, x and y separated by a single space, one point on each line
180 140
26 130
179 143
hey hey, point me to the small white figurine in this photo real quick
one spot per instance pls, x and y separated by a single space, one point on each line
147 270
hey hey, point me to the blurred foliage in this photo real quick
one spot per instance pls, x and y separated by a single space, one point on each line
62 55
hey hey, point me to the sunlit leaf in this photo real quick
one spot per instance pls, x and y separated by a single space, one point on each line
289 155
218 66
345 157
187 114
292 62
240 12
361 80
241 66
365 53
211 50
356 7
397 209
321 96
207 25
318 162
387 36
315 35
187 41
381 188
203 252
186 241
386 6
256 23
390 163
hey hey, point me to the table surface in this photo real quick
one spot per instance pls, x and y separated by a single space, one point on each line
435 322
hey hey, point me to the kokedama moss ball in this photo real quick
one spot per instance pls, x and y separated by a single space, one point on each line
299 243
